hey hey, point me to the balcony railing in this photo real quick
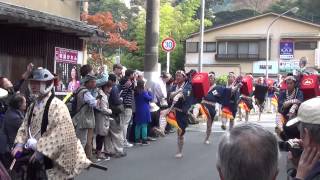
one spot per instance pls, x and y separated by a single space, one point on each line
237 57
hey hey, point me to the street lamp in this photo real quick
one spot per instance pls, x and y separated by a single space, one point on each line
201 35
293 10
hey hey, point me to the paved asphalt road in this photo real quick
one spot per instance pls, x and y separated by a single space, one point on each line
157 162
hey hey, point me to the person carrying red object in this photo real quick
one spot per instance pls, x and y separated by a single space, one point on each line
246 102
208 105
229 108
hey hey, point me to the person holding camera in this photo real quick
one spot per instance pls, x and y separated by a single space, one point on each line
12 89
307 166
127 85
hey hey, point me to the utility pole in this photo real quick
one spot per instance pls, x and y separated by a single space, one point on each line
152 40
201 36
85 43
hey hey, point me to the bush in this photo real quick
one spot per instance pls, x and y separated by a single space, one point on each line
222 80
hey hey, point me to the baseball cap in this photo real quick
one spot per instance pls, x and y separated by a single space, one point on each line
309 112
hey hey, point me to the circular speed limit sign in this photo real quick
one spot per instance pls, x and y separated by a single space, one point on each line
168 44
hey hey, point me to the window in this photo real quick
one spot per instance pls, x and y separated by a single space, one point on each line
246 50
209 47
253 48
243 48
222 48
232 48
192 47
306 45
262 50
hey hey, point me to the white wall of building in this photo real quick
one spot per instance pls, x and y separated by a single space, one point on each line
256 29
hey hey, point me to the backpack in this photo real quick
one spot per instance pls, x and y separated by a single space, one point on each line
72 101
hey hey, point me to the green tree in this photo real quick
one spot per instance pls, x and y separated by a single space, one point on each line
120 13
222 80
308 9
118 9
225 17
176 22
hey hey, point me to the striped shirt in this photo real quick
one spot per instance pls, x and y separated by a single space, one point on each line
126 93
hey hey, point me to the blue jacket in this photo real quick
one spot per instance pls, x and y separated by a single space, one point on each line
185 103
126 92
260 92
12 122
282 99
142 101
114 98
218 94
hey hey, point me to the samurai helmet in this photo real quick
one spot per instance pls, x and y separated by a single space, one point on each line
45 78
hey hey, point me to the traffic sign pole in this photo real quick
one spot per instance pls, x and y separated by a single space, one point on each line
168 62
168 45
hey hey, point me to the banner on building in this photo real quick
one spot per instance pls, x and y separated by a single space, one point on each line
288 66
67 68
286 49
259 67
64 55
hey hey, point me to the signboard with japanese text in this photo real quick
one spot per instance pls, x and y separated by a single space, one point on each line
259 67
66 55
286 49
288 66
67 66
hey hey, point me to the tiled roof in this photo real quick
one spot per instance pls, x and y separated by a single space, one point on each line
17 14
254 18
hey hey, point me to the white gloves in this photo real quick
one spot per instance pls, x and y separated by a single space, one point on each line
173 94
177 97
109 111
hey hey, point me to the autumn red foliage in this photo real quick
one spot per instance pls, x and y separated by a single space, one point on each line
105 21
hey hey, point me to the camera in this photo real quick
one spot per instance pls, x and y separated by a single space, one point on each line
99 97
294 148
